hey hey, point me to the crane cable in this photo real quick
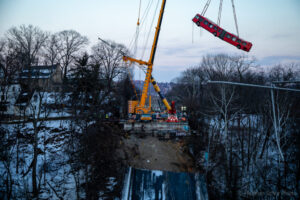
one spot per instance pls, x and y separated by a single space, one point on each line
235 18
134 42
137 32
144 17
136 36
205 7
148 35
220 12
140 21
135 49
149 31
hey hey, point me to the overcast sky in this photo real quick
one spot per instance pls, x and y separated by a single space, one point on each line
271 25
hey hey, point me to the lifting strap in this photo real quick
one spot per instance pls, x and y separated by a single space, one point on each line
220 12
138 22
149 31
205 7
235 19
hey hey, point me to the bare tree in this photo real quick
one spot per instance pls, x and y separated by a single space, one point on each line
71 43
37 112
10 64
242 64
282 105
52 50
7 144
218 67
109 57
27 40
236 127
223 110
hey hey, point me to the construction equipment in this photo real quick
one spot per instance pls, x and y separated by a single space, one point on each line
140 107
144 119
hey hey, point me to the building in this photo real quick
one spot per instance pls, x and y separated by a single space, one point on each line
47 78
17 97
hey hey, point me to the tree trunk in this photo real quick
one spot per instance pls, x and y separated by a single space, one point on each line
34 162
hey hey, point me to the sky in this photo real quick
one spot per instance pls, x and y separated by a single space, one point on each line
272 26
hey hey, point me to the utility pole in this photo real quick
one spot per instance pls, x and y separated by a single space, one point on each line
272 87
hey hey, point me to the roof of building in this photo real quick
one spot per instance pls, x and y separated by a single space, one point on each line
38 72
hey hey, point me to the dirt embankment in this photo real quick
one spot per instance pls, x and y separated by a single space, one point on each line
154 154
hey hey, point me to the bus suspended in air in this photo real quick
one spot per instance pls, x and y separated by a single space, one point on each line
221 33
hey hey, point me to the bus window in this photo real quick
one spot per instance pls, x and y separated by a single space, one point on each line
244 43
197 17
220 30
206 22
215 28
210 25
200 19
239 41
234 39
228 36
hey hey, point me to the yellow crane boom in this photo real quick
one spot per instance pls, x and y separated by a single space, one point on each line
141 108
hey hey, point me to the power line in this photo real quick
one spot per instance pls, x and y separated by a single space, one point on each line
253 85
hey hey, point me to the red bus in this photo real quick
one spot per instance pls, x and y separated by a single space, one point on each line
221 33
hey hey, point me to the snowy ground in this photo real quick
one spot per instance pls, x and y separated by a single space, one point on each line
54 172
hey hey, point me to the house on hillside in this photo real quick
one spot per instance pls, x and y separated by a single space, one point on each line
37 78
17 97
47 78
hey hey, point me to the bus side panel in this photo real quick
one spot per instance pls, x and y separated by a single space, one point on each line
229 40
222 34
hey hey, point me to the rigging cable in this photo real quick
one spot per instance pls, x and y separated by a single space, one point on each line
134 41
205 7
141 21
235 19
192 33
148 35
137 32
145 16
146 42
131 66
220 12
138 22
